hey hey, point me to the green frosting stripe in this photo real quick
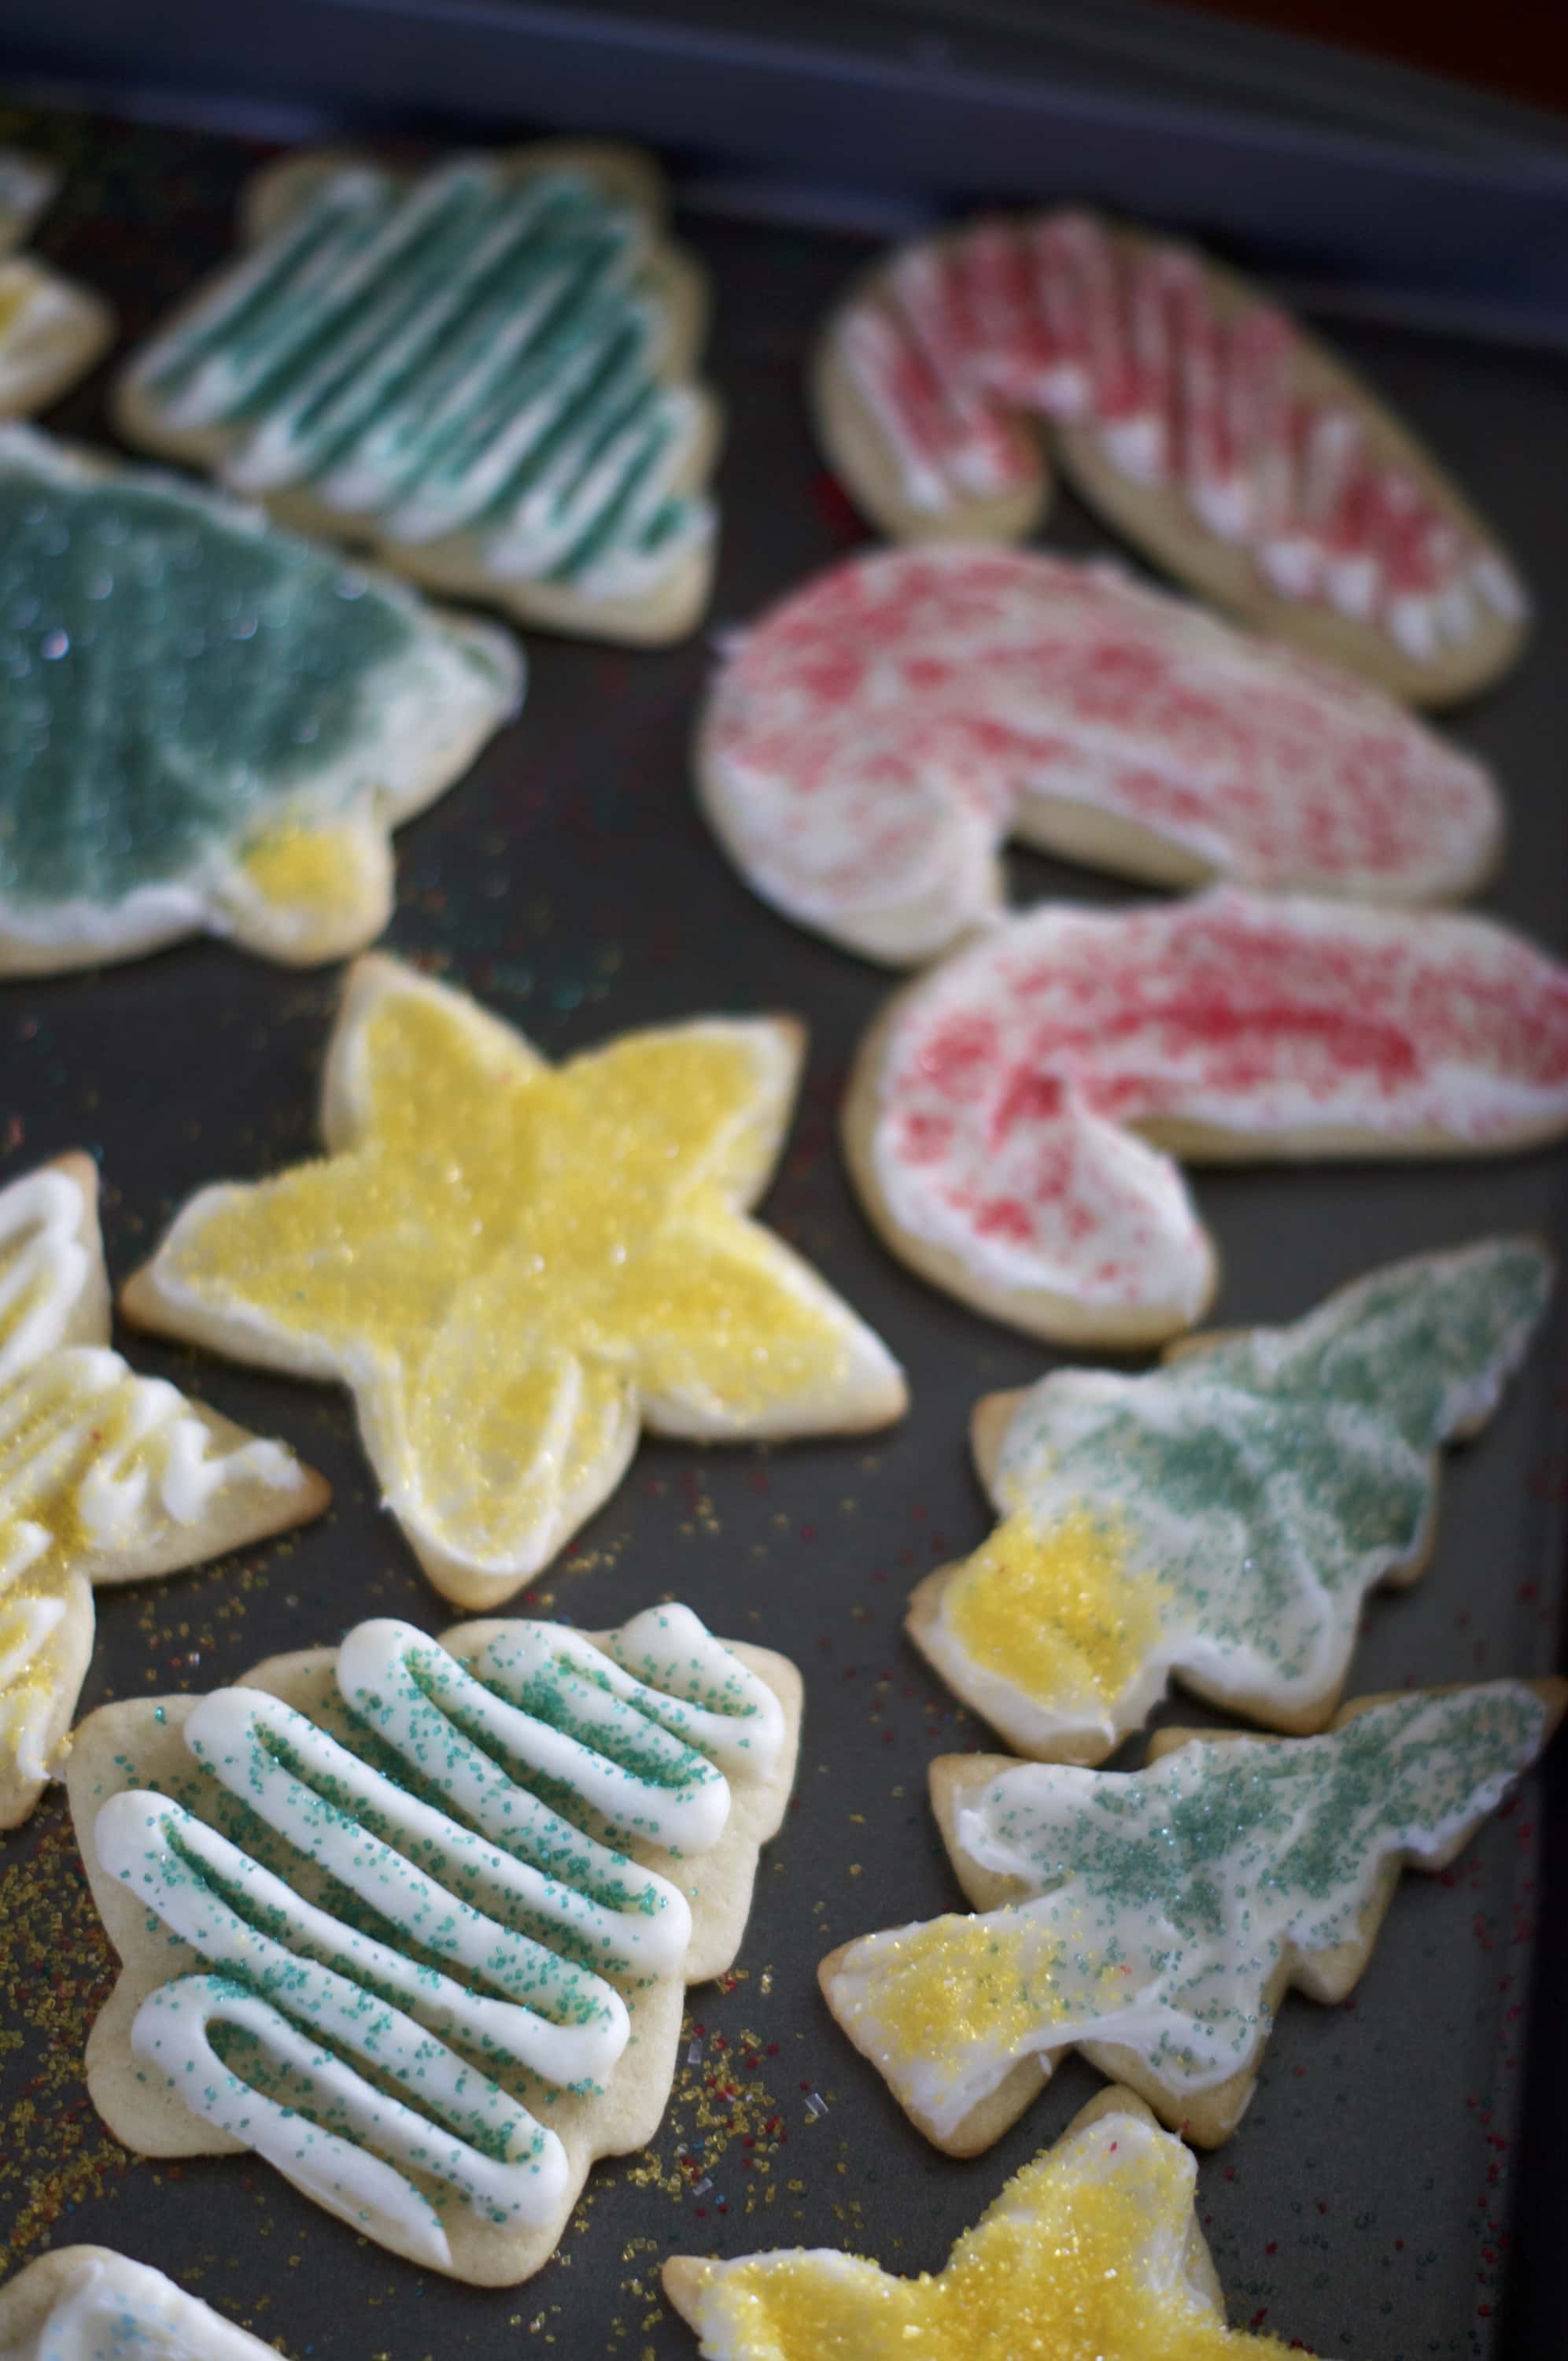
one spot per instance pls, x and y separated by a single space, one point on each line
467 353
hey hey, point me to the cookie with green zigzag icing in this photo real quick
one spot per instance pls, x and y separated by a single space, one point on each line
209 725
484 372
414 1919
51 330
1223 1518
1156 1919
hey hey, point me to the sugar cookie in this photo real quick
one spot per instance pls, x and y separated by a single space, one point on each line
88 2303
1223 440
1092 2248
51 330
870 742
1224 1518
516 1265
1012 1116
211 725
513 1973
1098 1926
484 373
104 1477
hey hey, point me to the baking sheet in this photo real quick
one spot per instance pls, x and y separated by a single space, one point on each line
1365 2206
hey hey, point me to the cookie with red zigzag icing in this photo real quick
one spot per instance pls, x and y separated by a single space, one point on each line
870 742
1229 445
1014 1115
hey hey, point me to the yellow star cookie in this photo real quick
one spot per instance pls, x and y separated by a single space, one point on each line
1092 2253
104 1477
514 1266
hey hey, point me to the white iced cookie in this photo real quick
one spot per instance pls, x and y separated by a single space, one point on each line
1221 1519
870 742
1155 1918
213 726
51 330
439 2057
516 1267
486 373
1094 2249
1013 1116
88 2303
104 1477
1201 422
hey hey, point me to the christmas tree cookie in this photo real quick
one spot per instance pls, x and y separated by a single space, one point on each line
1092 2250
485 372
209 725
1223 1518
516 1267
1155 1918
104 1477
414 1919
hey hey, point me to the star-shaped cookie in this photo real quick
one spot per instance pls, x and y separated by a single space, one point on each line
514 1267
1155 1918
1092 2253
104 1477
51 330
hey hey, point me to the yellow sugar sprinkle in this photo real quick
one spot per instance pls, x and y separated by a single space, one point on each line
1056 1613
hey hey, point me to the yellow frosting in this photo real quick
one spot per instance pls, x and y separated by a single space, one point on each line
310 869
17 286
1073 2262
1055 1613
510 1253
959 1981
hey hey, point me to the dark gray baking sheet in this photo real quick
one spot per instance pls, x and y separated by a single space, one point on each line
1365 2206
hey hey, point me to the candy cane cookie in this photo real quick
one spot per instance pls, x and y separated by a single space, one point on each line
485 373
1225 1518
51 330
1226 443
1014 1115
414 1919
870 742
104 1477
1156 1919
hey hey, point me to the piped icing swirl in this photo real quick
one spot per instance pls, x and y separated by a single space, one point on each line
1221 402
406 1919
1008 1089
473 352
870 742
1225 1517
104 1475
1163 1911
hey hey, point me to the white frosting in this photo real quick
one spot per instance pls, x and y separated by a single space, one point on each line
1161 1904
514 1914
111 2309
1011 1078
875 737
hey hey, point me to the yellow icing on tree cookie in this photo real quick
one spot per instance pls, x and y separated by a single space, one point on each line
1092 2253
513 1265
1055 1609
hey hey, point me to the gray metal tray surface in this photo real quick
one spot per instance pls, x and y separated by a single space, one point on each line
1364 2207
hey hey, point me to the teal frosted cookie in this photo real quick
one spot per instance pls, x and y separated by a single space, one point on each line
1155 1919
484 372
208 724
1225 1518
